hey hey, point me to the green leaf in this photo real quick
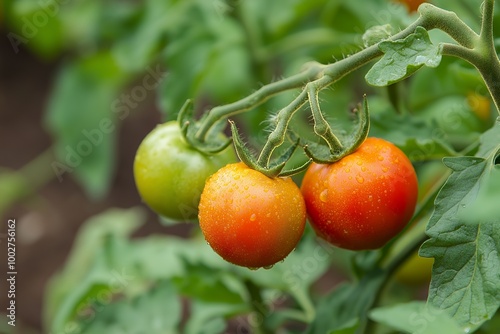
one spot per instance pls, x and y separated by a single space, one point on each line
466 247
349 328
82 117
403 57
206 60
141 45
416 317
158 311
419 140
210 318
37 26
80 275
347 304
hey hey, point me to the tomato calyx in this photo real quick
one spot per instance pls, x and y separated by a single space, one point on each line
326 153
189 129
274 169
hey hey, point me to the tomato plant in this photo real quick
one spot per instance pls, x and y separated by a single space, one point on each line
250 219
363 200
170 174
335 108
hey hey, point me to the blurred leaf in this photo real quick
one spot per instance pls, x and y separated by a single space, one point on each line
466 273
347 304
81 116
156 312
450 78
210 318
209 61
37 26
419 140
68 287
203 284
415 317
349 328
142 44
403 57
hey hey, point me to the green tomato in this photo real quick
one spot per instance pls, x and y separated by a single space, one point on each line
170 174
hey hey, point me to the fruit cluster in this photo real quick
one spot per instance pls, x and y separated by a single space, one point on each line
359 202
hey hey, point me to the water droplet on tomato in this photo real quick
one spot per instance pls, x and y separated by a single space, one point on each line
363 169
370 198
253 268
253 217
359 162
269 267
347 170
360 179
380 158
324 195
385 169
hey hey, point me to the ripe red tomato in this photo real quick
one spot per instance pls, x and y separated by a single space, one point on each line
363 200
249 219
412 5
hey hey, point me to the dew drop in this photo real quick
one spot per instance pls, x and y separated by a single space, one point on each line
269 267
324 195
363 169
347 170
380 158
463 205
359 162
253 268
360 179
253 217
370 198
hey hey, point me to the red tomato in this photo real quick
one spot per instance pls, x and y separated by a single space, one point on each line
412 5
249 219
363 200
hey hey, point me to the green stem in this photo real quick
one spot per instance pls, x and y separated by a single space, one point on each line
488 63
450 23
258 97
35 174
258 306
321 126
277 136
482 54
431 17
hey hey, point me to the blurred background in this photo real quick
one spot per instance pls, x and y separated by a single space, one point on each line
83 82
